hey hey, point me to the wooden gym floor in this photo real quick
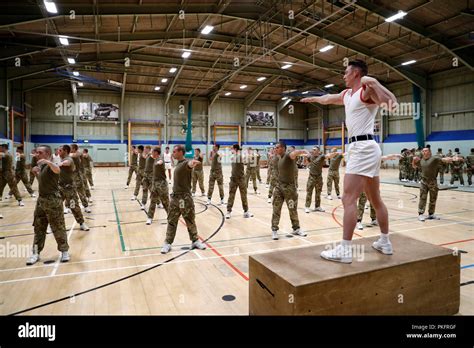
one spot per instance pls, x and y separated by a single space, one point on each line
213 281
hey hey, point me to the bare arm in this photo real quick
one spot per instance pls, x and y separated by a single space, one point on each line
65 163
297 153
378 93
335 99
331 155
51 165
391 157
193 163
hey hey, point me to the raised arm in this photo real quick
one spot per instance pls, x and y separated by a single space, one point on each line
391 157
296 153
335 99
193 163
380 95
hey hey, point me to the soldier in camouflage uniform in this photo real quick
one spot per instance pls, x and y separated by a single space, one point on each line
292 148
448 166
360 212
273 164
429 167
7 176
133 165
48 207
140 171
315 179
258 157
269 167
32 165
78 180
216 174
333 173
66 185
82 173
159 188
417 170
410 169
182 202
251 169
147 177
86 161
470 166
198 173
285 190
441 167
20 171
457 168
402 166
237 181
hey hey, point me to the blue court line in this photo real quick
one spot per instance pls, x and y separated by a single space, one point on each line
18 223
468 266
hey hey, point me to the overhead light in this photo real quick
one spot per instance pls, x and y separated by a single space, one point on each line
329 86
80 84
173 70
243 87
399 15
305 92
227 93
63 40
284 98
114 83
409 62
207 29
75 73
186 54
164 80
263 78
71 61
287 66
157 88
50 6
326 48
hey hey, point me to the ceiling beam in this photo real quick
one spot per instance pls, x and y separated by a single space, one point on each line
250 99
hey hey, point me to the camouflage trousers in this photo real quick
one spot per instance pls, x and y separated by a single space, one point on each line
361 208
416 174
22 177
259 178
198 176
456 174
71 200
296 176
333 176
49 210
269 174
469 176
32 177
273 183
402 174
138 182
85 184
441 175
79 185
88 175
285 193
235 184
131 170
425 187
159 193
251 174
9 178
147 181
314 183
181 204
213 177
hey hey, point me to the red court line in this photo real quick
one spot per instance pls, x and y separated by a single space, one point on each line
334 217
238 271
457 241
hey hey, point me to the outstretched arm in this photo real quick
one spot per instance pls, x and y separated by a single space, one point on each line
391 157
378 93
335 99
296 153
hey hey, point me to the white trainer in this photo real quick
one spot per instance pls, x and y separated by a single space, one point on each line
1 216
143 206
374 222
359 226
84 227
160 206
306 210
266 186
338 254
148 221
299 232
66 211
208 202
269 200
166 248
227 216
275 234
90 199
8 196
248 214
92 187
198 245
319 209
134 198
48 229
222 202
87 210
421 218
433 217
33 195
384 248
32 259
339 197
193 194
203 194
65 257
21 204
126 187
329 197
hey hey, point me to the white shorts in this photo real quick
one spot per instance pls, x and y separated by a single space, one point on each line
363 158
168 165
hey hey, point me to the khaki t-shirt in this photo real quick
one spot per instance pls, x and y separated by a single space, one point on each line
286 169
47 181
198 168
216 165
316 165
335 162
182 177
430 167
237 167
159 171
66 174
149 165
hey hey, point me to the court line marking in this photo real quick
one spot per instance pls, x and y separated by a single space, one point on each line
117 219
56 264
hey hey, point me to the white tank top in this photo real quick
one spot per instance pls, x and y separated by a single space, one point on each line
360 114
167 157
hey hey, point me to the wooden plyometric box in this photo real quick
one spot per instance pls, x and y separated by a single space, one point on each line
418 279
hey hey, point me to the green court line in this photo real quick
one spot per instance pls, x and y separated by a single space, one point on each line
122 242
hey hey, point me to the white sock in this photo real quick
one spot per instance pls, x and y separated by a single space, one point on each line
346 243
384 237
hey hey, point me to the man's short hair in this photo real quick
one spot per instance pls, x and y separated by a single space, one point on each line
148 147
74 146
440 150
198 150
157 149
236 147
456 149
180 148
134 147
282 144
472 150
218 146
20 148
66 148
140 147
5 146
361 65
85 150
167 148
48 148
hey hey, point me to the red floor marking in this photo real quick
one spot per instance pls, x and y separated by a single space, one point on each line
334 217
458 241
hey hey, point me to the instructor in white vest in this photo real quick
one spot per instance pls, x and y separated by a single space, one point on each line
362 99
